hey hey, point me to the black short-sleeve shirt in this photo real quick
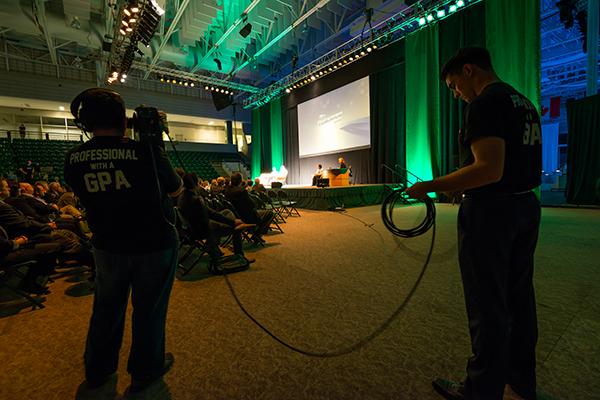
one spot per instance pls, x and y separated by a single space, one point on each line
115 180
503 112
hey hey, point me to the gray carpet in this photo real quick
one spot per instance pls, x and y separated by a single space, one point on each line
325 283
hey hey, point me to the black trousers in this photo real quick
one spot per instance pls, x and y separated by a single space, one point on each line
497 239
149 277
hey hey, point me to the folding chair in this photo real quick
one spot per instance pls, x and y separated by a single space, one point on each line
186 238
266 201
288 205
5 271
276 206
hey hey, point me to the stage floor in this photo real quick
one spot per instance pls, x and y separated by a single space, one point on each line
314 198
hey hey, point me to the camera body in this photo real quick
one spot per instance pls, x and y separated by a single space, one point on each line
148 125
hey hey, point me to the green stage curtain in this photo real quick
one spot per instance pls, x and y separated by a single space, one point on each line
423 103
466 28
256 143
513 38
266 164
276 134
583 161
388 122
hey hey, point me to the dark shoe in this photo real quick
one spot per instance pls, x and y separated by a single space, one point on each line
137 385
450 390
95 383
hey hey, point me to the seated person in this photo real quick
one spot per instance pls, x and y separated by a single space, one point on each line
246 208
317 175
204 222
258 187
342 162
16 250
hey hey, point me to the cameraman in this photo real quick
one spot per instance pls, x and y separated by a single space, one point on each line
135 244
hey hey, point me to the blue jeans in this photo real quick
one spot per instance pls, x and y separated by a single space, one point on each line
150 277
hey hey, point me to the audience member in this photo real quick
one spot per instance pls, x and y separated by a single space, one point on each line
258 187
205 222
246 208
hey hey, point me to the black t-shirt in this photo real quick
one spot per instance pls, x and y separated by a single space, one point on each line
115 181
503 112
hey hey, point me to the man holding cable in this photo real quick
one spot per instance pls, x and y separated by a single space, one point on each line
498 225
125 187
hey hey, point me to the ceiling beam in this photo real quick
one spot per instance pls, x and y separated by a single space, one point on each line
40 13
302 18
167 36
225 35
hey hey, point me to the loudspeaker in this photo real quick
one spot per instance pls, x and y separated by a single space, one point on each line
221 100
246 30
276 185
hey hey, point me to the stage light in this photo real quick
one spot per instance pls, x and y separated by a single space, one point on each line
206 87
374 47
441 13
369 49
345 61
192 84
122 32
312 78
124 23
135 9
132 20
335 67
460 3
126 11
287 90
212 88
124 76
129 29
351 58
122 80
362 53
430 18
227 92
321 73
185 84
452 8
61 108
115 74
340 63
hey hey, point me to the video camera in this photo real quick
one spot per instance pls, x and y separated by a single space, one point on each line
148 124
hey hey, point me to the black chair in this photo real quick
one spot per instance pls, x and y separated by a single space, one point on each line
186 238
288 205
268 205
7 270
276 206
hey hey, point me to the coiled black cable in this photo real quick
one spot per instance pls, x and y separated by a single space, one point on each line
397 196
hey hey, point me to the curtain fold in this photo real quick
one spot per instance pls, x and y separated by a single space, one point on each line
291 146
256 156
583 161
513 39
423 138
388 122
466 28
266 162
276 134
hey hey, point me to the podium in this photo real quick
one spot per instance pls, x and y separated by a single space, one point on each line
338 177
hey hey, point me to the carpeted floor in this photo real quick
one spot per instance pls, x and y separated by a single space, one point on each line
325 283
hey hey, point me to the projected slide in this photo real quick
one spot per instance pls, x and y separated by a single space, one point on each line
335 122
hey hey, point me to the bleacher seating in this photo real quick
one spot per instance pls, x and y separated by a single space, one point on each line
51 153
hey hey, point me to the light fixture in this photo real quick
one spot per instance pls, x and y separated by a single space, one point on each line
287 90
122 32
124 23
351 58
313 78
124 76
185 84
127 12
441 13
134 9
430 18
162 79
115 74
206 87
132 20
369 49
61 108
362 53
122 80
321 73
452 8
460 3
129 29
374 46
192 84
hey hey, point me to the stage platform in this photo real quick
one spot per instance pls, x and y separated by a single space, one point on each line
314 198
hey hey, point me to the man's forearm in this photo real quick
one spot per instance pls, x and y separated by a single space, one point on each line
468 177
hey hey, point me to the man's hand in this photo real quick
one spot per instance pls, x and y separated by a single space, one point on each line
419 190
21 240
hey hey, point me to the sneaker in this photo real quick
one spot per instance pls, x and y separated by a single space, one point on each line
450 390
137 385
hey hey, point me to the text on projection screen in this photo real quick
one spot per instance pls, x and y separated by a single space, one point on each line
335 122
